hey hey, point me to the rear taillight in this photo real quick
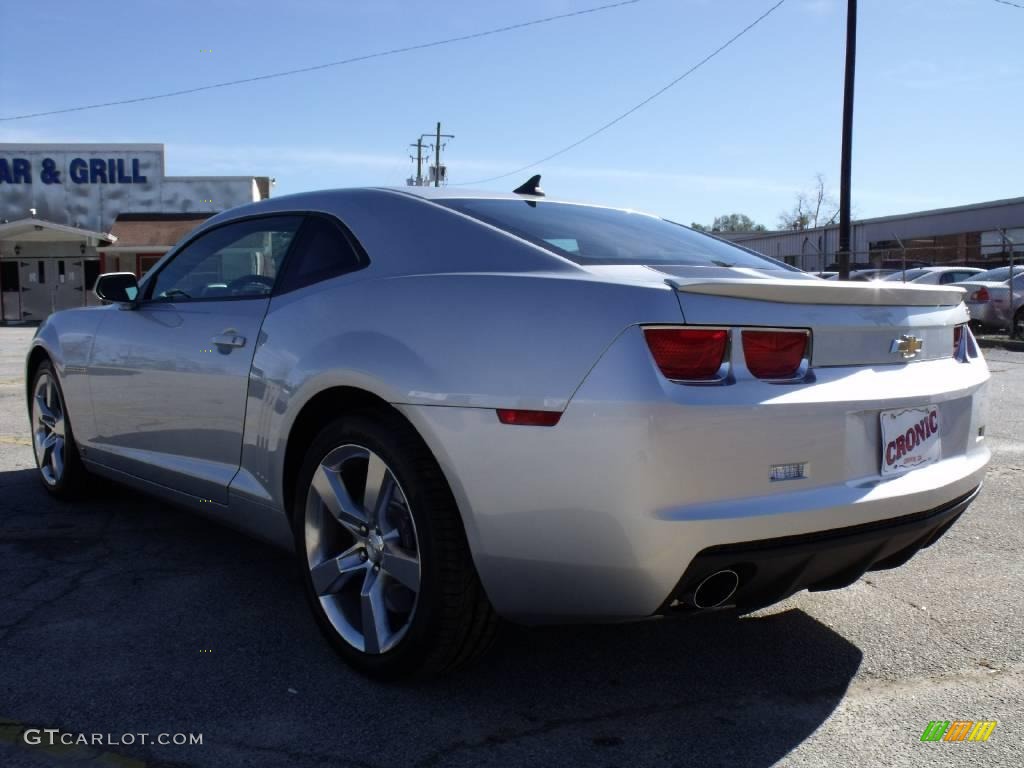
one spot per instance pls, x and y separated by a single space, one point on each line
980 295
958 336
775 354
688 354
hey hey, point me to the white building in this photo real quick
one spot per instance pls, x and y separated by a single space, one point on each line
980 234
71 211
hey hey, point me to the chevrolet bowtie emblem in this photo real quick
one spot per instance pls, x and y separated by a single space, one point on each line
907 346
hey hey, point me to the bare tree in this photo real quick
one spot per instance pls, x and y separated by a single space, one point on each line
813 208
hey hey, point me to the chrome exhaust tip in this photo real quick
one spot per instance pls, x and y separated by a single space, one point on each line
716 589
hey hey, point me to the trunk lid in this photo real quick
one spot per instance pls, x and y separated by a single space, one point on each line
852 324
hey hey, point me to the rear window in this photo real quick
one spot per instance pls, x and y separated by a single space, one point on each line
997 275
589 235
911 274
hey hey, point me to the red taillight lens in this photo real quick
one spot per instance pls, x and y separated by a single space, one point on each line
528 418
958 335
980 295
689 354
774 354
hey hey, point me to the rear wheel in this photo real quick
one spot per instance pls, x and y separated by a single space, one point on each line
53 440
1018 324
383 553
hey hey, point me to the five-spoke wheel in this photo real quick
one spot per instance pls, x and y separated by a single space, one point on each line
48 428
53 441
384 557
362 549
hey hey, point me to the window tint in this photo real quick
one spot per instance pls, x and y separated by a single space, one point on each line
322 251
234 261
590 235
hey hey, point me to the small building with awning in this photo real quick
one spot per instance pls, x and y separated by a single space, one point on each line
46 266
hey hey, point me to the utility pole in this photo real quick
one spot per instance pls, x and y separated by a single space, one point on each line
420 146
437 159
437 153
846 162
419 161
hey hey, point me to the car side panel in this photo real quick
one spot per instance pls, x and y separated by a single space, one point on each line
481 341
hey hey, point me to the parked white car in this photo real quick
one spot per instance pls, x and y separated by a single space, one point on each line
455 406
934 275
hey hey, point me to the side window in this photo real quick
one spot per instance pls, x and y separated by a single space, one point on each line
239 260
322 251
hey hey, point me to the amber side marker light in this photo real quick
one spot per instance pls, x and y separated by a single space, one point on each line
528 418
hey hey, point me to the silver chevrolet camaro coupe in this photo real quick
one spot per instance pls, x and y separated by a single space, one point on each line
459 406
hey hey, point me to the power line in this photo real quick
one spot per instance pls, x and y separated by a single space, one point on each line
1007 2
643 103
342 62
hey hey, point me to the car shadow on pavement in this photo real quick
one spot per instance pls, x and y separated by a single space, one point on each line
121 614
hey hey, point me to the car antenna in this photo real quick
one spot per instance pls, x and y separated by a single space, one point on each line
531 187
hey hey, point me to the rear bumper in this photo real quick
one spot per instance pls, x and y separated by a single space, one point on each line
598 517
771 570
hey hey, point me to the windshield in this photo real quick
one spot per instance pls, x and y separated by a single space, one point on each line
590 235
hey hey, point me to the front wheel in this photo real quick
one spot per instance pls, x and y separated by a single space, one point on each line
383 553
53 441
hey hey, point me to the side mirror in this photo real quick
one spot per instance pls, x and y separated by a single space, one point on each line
118 287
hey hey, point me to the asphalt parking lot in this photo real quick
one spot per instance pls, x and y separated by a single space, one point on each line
126 616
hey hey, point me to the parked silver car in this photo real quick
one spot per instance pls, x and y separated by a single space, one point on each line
980 289
1000 297
458 406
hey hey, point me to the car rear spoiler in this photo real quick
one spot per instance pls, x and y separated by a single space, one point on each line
882 294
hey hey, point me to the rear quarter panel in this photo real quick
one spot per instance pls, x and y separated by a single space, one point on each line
482 341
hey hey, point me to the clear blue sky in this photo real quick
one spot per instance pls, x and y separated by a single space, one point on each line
938 118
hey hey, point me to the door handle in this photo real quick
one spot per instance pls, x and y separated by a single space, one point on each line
229 339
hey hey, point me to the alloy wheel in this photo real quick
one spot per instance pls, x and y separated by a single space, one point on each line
362 549
48 424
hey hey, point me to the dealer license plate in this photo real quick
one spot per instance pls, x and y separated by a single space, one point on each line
910 438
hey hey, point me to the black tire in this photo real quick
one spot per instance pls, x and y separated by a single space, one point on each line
453 621
1017 331
73 481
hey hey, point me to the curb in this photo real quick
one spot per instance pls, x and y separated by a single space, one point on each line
995 342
